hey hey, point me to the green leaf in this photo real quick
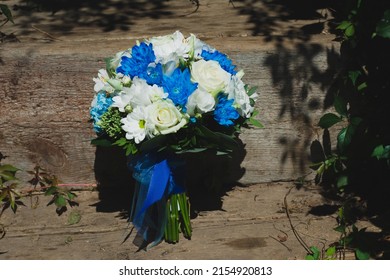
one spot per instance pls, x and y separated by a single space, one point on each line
345 136
361 255
71 195
344 25
121 142
329 120
8 167
350 31
381 152
7 176
353 75
154 143
51 190
383 26
331 251
316 252
252 90
340 228
256 123
309 258
193 150
362 86
7 12
341 106
60 201
101 142
342 181
74 217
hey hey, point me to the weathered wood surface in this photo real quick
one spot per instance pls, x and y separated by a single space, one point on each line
46 83
251 225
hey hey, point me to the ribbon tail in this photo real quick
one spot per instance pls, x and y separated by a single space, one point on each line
158 184
149 213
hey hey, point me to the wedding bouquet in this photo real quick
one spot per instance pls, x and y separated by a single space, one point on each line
165 97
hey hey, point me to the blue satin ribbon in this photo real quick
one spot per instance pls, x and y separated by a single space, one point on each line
158 184
156 179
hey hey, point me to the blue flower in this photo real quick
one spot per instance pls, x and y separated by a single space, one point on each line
224 112
136 65
153 75
179 86
222 59
100 106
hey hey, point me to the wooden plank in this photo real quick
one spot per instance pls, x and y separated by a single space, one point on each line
46 88
248 227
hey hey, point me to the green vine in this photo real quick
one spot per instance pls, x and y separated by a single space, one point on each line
357 171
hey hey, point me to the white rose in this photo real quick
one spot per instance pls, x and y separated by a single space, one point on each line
210 76
170 47
200 102
165 117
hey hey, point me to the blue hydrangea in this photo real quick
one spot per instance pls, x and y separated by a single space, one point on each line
136 65
153 75
179 86
102 104
222 59
224 112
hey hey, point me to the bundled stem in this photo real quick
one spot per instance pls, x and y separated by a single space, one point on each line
178 218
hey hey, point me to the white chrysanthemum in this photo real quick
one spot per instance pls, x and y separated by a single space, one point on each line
236 90
135 125
200 101
170 47
139 94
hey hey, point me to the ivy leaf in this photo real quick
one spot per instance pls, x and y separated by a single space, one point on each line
8 167
343 139
383 26
340 228
361 255
7 12
331 251
341 106
353 75
342 181
350 31
329 120
381 152
74 217
51 190
60 201
316 252
344 25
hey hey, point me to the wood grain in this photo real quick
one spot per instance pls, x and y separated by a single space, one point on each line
46 88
